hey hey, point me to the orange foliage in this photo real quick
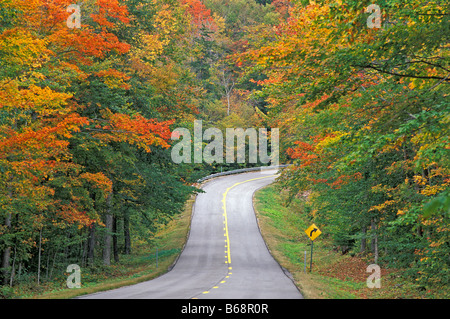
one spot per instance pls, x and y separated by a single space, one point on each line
34 144
135 130
200 14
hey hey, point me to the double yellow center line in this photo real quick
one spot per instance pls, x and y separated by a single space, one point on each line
225 219
226 234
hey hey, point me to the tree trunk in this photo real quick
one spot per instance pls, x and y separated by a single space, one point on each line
85 250
53 265
126 234
107 242
6 254
363 240
67 250
13 268
108 237
19 271
39 258
228 85
47 267
114 238
91 245
374 240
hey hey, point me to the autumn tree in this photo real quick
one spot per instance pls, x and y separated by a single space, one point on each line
68 112
363 118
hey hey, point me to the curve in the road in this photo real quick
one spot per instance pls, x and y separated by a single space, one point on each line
225 256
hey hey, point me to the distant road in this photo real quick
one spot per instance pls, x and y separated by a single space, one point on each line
225 256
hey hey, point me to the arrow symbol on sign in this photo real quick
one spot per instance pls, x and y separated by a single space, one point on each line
312 231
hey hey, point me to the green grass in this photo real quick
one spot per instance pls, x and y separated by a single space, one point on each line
283 230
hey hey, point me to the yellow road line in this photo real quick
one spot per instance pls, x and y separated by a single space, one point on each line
227 240
224 205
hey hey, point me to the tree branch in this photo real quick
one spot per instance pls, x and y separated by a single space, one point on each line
403 75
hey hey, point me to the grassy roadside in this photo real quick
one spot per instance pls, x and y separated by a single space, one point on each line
131 269
334 276
283 230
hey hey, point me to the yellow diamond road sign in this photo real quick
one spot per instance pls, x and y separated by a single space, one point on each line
313 232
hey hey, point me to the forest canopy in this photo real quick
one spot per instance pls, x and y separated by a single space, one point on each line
87 112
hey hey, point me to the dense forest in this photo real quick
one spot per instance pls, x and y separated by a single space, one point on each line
90 95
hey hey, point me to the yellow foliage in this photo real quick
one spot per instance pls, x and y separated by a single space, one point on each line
43 101
330 140
432 190
153 46
20 48
382 206
419 180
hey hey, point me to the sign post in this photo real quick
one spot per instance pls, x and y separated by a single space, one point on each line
304 264
312 232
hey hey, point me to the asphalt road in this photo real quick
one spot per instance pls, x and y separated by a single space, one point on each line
225 256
